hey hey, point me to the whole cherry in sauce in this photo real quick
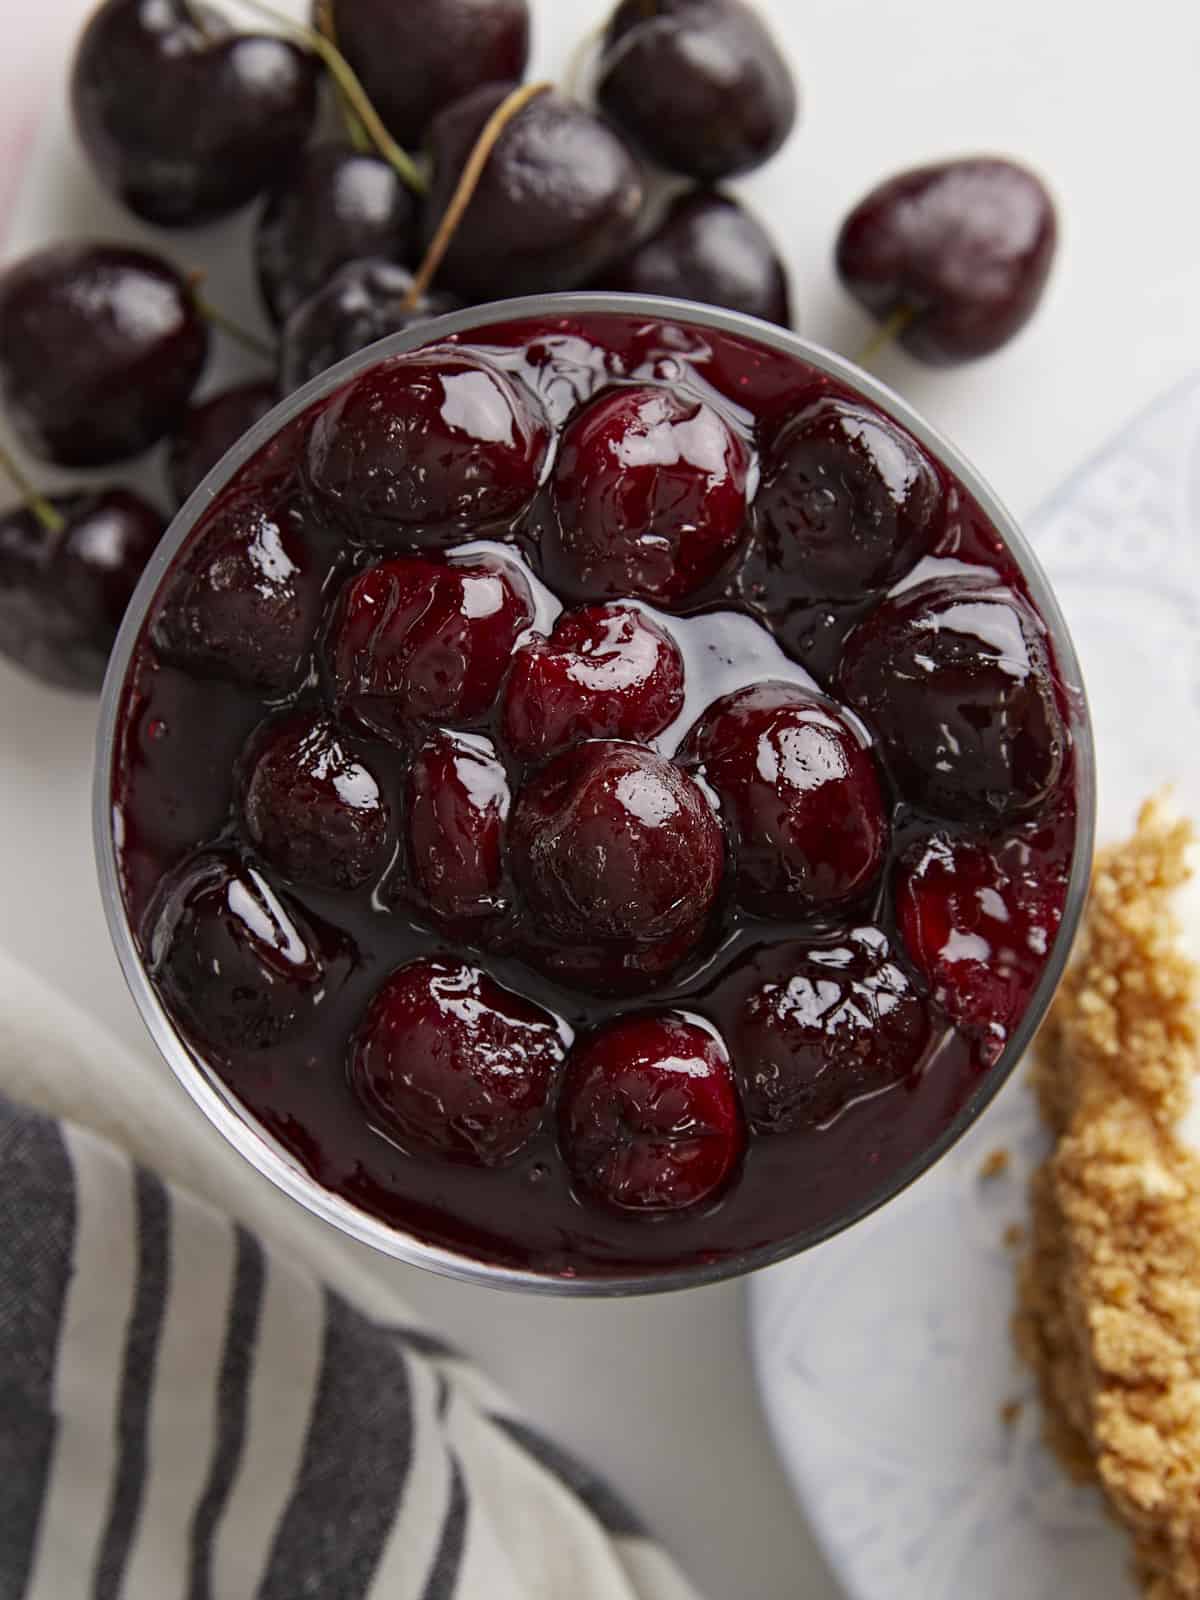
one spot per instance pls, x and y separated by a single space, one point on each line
708 247
954 678
619 857
457 807
957 254
447 1061
417 641
311 806
185 120
849 502
978 919
425 446
101 346
68 569
649 1116
800 794
649 496
700 85
413 60
606 672
337 204
360 303
829 1023
210 428
558 200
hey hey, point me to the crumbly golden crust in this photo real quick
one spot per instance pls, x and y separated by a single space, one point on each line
1109 1296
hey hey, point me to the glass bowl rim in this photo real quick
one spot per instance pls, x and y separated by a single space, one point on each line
222 1107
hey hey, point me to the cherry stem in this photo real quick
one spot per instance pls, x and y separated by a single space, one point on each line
355 132
51 519
347 82
580 59
889 329
495 125
248 341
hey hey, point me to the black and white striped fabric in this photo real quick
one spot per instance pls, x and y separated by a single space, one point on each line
188 1414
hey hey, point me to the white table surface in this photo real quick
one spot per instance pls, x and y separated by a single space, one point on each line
658 1392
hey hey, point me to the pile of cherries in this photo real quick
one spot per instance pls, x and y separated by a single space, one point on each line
363 233
601 775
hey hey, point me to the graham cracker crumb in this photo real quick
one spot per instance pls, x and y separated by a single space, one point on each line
1109 1293
995 1165
1010 1411
1013 1236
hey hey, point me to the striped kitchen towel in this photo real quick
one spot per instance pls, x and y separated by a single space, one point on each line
186 1412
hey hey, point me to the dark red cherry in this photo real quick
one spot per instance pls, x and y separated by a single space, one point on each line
458 803
849 502
606 672
239 967
962 248
831 1023
700 85
620 858
447 1061
416 641
558 199
708 248
649 1117
978 920
433 445
211 428
362 302
311 807
245 601
800 795
336 204
955 679
649 495
100 348
183 119
63 592
414 59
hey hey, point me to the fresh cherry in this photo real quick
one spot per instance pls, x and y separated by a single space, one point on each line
238 966
649 495
312 809
362 302
66 579
800 796
620 859
413 60
708 248
957 253
978 920
849 502
245 602
458 803
700 85
100 347
606 672
183 119
212 427
558 199
955 679
833 1021
649 1117
426 447
337 204
416 641
448 1061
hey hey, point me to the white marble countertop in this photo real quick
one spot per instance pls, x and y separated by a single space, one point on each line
658 1392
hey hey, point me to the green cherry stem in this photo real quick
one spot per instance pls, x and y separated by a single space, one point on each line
52 520
471 174
344 77
355 132
889 329
248 341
